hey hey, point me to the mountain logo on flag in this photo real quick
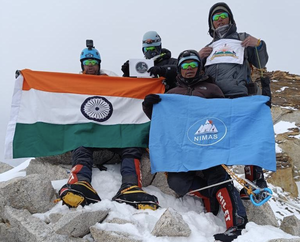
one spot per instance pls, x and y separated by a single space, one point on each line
97 108
207 128
207 131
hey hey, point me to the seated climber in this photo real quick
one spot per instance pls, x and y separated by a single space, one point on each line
78 190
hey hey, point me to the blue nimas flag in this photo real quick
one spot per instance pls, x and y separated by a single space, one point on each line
193 133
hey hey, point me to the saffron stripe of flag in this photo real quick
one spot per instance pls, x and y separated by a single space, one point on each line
57 112
192 133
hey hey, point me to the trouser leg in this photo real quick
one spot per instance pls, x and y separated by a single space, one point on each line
227 196
184 182
130 166
255 174
82 162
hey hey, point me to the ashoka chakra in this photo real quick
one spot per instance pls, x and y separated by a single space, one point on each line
97 108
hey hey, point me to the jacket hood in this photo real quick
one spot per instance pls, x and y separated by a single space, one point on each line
221 6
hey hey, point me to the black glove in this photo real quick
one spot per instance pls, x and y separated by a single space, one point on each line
157 71
17 73
265 81
148 104
151 99
125 69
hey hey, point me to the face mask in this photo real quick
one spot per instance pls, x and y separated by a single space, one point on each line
151 53
222 30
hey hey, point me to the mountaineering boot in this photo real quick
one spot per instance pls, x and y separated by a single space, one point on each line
229 235
136 197
78 193
254 174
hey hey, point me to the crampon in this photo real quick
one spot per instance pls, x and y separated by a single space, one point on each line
136 197
140 204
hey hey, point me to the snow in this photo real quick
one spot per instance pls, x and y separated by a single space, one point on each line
203 225
283 127
282 89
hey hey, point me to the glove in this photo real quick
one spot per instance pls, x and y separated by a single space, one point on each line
265 81
125 69
157 71
17 74
148 104
151 99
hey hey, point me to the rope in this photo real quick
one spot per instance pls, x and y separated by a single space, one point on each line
243 182
239 180
258 59
235 177
213 185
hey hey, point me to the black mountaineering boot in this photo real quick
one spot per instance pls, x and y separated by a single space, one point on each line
78 193
136 197
229 235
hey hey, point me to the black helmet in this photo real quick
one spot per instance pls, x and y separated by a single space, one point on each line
189 55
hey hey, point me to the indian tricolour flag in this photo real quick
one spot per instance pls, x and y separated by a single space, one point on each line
53 113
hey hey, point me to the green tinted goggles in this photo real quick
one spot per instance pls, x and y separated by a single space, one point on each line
149 48
193 64
90 62
221 15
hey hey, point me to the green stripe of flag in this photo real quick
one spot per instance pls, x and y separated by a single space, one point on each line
43 139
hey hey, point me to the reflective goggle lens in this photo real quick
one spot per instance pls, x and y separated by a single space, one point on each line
193 64
149 48
90 62
221 15
150 41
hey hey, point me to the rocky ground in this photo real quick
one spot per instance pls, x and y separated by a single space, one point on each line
23 196
285 89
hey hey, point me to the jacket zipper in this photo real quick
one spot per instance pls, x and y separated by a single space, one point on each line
190 91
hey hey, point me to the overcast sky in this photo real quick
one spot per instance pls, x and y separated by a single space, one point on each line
49 35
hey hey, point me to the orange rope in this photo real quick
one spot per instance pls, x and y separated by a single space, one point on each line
239 180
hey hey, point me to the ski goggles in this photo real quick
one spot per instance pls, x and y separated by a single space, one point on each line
193 65
90 62
150 41
149 48
221 15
